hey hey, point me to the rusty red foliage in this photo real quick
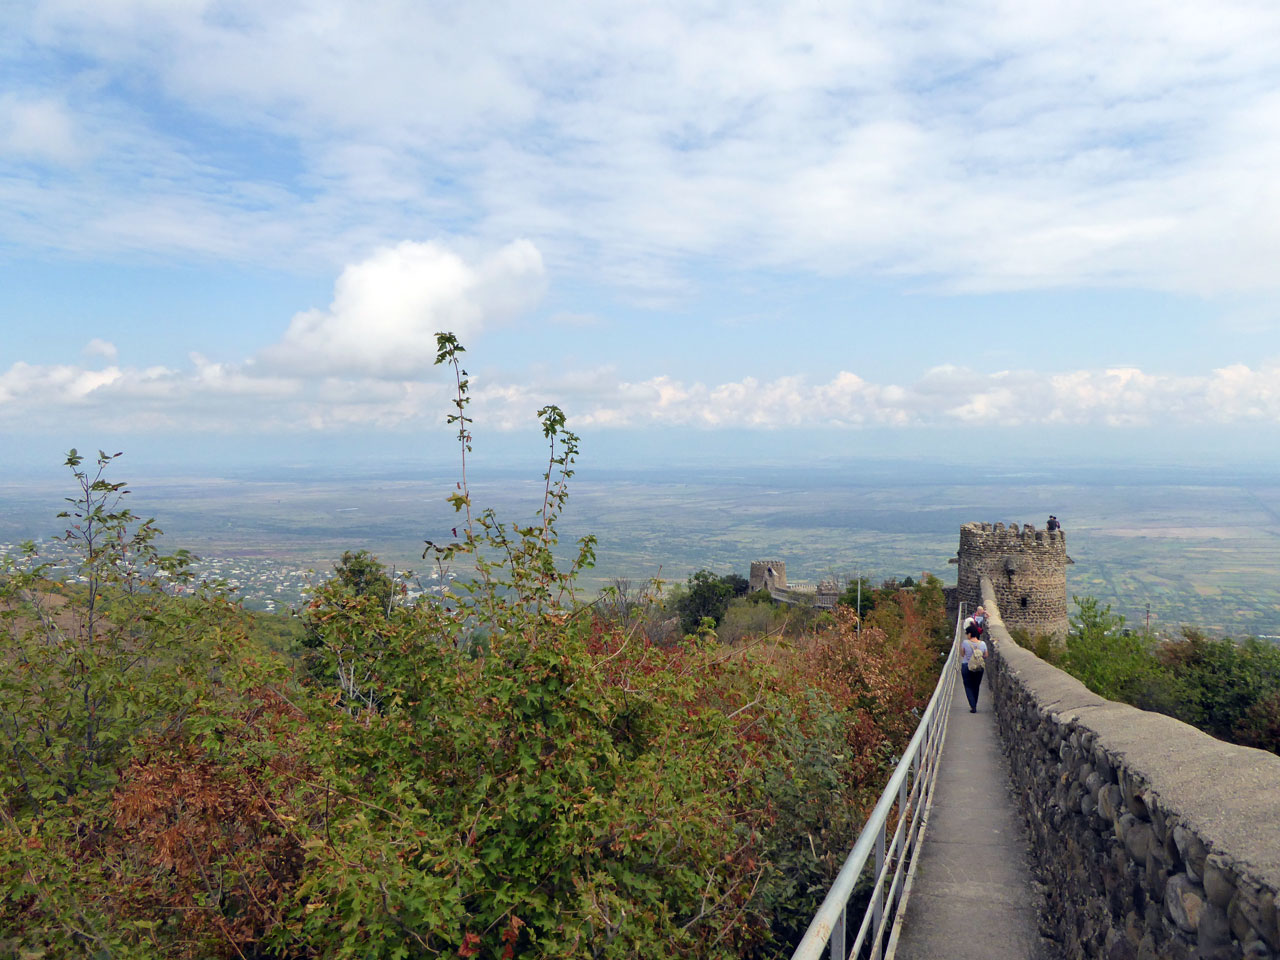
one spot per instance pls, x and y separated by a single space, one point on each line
209 837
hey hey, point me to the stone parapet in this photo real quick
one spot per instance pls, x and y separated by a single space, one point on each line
1014 535
1152 838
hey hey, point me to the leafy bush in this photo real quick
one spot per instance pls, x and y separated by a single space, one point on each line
1224 681
1228 689
1260 724
1043 645
498 772
91 680
754 616
541 792
1114 662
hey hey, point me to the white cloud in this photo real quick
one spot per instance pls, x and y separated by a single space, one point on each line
210 396
387 309
38 129
951 396
26 388
989 144
97 347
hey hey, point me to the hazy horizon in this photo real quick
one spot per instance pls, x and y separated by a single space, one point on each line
1200 543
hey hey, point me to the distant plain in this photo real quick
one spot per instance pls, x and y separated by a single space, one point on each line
1200 546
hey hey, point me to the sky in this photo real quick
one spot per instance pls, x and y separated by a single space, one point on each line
711 232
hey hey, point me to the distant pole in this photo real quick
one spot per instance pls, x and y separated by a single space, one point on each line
858 573
1148 618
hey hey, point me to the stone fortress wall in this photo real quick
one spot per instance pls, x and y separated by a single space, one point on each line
1027 569
768 575
1152 839
771 575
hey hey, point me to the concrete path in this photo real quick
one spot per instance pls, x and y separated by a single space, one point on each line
973 897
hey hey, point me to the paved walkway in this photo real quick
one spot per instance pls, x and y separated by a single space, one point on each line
973 896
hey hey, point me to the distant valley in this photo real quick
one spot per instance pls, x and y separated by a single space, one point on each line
1199 547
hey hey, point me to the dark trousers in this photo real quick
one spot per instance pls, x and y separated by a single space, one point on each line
972 681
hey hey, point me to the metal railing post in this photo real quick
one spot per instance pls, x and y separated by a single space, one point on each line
837 936
877 915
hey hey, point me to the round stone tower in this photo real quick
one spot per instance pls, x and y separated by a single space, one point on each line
768 575
1028 569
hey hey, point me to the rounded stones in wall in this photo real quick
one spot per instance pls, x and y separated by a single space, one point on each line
1184 902
1109 800
1137 839
1213 930
1102 764
1132 790
1219 881
1158 819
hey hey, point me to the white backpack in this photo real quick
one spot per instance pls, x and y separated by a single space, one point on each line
977 659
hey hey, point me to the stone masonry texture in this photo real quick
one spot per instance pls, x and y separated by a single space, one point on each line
1152 839
1027 569
763 579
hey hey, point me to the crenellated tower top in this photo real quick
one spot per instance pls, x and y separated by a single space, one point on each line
768 575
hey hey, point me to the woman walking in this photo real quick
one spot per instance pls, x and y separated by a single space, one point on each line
973 662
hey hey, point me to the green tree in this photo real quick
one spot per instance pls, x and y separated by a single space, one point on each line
706 596
1260 725
363 574
361 581
850 597
86 673
1113 662
93 678
1230 690
358 574
1223 681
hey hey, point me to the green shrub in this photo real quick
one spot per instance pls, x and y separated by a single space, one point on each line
496 772
92 680
1223 680
1260 725
1228 689
705 596
1111 661
1043 645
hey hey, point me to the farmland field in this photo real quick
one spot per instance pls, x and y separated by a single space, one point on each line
1199 548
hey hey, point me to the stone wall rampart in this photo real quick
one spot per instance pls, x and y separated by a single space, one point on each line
1152 838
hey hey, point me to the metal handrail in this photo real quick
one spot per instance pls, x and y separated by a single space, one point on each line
907 793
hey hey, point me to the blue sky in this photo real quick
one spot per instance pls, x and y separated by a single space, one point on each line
709 231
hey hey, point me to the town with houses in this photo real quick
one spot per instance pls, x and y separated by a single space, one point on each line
259 583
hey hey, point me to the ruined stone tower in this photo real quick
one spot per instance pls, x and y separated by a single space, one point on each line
768 575
1028 569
